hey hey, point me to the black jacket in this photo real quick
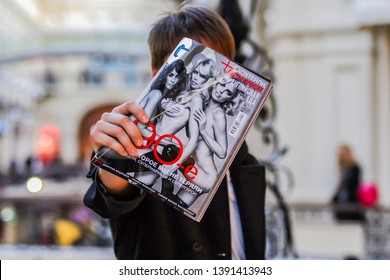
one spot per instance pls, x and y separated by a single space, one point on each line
147 228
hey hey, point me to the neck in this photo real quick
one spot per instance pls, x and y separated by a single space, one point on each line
213 104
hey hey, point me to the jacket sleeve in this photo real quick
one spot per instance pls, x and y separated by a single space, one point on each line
97 199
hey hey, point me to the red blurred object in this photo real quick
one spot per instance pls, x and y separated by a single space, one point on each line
47 145
368 194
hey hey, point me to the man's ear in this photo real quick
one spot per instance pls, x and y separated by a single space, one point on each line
154 71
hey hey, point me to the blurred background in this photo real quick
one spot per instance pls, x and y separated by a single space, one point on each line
65 62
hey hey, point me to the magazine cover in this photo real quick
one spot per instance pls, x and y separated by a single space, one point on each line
201 106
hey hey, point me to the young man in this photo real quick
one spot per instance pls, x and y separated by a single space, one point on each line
144 227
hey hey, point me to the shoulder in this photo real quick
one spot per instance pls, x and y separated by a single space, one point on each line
196 100
155 93
218 112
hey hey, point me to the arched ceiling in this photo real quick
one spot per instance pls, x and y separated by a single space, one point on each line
55 27
57 15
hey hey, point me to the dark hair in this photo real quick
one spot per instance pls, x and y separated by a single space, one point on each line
198 23
159 83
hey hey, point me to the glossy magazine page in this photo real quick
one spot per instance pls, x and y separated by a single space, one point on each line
201 106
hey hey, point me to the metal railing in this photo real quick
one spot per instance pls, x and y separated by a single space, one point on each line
375 223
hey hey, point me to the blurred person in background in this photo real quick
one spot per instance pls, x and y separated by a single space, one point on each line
345 200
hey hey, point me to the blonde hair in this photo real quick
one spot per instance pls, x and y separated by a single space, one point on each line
345 157
195 22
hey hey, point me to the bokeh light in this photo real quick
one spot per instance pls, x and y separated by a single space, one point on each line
34 184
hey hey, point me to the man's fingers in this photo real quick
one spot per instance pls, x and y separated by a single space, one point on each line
119 130
106 141
132 108
122 124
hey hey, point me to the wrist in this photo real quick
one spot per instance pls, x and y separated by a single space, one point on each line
114 186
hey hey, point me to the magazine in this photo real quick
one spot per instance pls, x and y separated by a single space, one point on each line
201 106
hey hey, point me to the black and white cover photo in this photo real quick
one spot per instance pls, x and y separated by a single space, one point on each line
201 106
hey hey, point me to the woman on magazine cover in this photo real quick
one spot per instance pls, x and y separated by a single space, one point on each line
225 99
168 85
170 82
178 115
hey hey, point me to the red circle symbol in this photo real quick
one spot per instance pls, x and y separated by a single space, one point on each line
157 143
150 139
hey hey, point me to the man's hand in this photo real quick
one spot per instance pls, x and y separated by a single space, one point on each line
117 131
